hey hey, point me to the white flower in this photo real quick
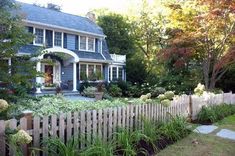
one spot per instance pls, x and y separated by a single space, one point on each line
21 137
3 105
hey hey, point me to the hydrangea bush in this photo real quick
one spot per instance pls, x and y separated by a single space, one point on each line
199 89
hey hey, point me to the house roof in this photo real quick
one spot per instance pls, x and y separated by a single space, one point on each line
43 15
93 56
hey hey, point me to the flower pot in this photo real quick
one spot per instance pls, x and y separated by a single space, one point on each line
99 95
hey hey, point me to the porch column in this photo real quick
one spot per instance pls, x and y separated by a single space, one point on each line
74 76
38 79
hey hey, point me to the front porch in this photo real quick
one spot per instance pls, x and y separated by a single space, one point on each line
52 65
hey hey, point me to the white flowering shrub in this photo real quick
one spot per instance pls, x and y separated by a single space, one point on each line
21 137
145 97
166 102
199 89
3 105
161 97
169 95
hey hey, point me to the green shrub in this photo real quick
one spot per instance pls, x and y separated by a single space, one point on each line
90 91
134 91
155 91
211 114
114 90
84 85
175 129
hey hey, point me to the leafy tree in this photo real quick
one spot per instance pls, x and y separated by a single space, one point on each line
117 28
209 26
12 36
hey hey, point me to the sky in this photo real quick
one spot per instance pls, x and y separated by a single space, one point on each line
81 7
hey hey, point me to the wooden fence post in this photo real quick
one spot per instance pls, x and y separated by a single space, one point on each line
190 108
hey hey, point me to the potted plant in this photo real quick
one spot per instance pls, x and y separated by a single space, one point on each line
100 91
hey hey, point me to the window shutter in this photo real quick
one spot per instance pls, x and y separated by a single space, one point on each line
65 40
76 42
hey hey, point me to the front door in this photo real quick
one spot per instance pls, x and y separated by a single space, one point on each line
48 74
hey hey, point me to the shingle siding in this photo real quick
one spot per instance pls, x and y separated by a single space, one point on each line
71 42
67 73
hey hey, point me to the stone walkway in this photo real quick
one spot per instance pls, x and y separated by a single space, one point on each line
223 133
79 98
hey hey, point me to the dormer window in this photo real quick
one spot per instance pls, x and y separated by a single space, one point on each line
58 39
87 43
38 36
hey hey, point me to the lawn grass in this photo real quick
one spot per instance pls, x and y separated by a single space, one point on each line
204 145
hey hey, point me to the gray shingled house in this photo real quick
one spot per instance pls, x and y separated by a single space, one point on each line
75 45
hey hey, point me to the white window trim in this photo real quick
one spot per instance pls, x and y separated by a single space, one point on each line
86 44
61 39
111 72
87 70
44 36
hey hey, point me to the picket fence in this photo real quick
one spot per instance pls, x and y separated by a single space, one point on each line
103 123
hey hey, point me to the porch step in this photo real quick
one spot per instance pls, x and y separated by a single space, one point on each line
65 93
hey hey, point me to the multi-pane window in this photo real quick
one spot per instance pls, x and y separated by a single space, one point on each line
83 75
119 72
91 44
58 39
87 43
82 42
114 73
39 36
91 71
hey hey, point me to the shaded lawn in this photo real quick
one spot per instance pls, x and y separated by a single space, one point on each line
204 145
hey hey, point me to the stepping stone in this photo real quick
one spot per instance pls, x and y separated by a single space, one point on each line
227 134
205 129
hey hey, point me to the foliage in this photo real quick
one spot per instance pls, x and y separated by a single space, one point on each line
175 129
117 29
114 90
90 91
13 36
211 114
84 85
58 104
134 91
169 95
99 148
203 33
55 147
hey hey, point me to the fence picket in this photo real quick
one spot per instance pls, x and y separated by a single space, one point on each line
69 126
2 138
100 123
82 128
94 125
114 122
110 123
61 127
23 126
88 126
75 124
105 126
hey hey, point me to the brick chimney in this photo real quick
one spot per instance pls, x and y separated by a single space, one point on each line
90 15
